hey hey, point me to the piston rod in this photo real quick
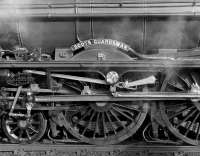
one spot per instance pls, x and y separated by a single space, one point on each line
119 96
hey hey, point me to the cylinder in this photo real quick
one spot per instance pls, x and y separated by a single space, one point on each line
4 75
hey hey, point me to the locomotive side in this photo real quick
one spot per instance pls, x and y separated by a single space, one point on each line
81 70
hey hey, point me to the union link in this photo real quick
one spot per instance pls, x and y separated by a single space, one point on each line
29 103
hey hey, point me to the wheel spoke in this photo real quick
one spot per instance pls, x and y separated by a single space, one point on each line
86 114
97 125
14 130
124 106
111 123
125 115
124 110
183 80
11 123
28 135
20 133
33 129
35 123
180 112
105 130
119 121
176 86
191 124
198 132
186 118
193 78
88 123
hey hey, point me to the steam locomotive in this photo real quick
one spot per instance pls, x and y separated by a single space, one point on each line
99 72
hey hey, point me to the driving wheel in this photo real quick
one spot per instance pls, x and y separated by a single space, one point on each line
106 122
182 117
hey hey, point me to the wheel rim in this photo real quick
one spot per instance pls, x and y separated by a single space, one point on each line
182 117
106 122
27 130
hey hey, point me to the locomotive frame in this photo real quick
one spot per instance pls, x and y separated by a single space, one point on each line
100 91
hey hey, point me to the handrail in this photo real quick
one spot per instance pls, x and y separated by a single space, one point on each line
32 2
